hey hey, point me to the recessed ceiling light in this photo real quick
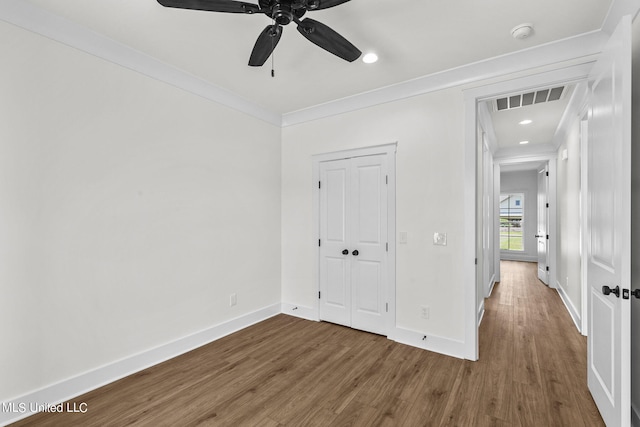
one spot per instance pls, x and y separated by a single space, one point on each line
524 142
370 58
526 122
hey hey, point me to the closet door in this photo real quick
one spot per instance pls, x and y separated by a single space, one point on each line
335 253
369 238
353 251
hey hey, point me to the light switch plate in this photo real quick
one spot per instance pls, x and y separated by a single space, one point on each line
440 239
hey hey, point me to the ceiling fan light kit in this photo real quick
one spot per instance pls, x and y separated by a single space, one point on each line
282 12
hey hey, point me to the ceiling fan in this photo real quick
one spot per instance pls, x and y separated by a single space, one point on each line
282 12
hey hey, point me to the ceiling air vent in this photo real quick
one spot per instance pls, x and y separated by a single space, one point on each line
529 98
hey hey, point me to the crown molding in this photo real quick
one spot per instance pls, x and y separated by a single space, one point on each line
32 18
582 46
54 27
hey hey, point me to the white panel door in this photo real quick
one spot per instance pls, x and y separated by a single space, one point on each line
368 243
353 242
608 228
543 221
335 265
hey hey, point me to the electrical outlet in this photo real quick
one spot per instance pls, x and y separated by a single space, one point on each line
424 312
233 299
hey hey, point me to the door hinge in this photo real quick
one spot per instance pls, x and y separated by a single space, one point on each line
547 237
386 179
476 261
547 268
547 204
319 184
318 294
387 307
387 246
319 242
547 173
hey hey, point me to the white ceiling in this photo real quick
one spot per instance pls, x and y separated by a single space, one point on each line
545 118
413 38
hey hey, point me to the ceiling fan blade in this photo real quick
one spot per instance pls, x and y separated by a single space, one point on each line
228 6
266 43
323 36
326 4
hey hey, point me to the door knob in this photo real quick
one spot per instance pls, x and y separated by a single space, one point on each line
607 290
355 253
636 293
345 252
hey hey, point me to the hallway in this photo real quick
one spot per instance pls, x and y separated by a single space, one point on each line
536 353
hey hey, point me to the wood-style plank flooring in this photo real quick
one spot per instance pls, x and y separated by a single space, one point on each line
291 372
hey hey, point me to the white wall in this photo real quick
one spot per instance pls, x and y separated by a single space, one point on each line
130 211
429 130
525 182
635 228
568 216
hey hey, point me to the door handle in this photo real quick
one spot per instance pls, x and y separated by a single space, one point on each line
636 293
345 252
355 253
607 290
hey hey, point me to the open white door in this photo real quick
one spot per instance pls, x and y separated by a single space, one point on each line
608 229
543 221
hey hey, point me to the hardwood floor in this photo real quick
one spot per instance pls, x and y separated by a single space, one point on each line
292 372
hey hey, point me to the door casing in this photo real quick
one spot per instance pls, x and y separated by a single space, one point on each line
569 75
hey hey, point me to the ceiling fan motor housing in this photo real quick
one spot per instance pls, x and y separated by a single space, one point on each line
282 14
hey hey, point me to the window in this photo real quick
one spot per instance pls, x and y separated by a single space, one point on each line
511 222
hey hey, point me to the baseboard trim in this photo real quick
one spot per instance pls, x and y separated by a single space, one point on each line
492 284
433 343
403 336
518 257
300 311
54 394
635 416
480 313
573 312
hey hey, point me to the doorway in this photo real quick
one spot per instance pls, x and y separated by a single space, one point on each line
518 154
356 245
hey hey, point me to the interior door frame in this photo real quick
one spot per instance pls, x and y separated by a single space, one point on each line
471 258
550 162
584 146
385 149
545 211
